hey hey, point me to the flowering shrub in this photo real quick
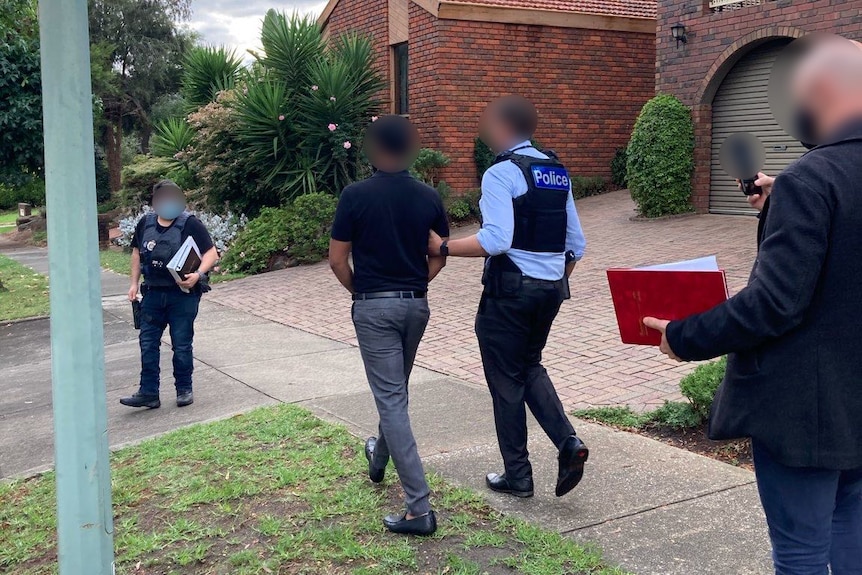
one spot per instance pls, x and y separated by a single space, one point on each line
223 229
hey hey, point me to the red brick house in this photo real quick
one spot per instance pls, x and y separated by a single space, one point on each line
587 64
722 71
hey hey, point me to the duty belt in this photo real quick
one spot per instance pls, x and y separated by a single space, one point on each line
389 295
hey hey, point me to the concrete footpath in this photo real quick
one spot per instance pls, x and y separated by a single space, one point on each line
652 508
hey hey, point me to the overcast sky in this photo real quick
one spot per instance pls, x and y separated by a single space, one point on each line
236 23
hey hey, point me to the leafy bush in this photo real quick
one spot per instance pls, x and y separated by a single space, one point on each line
208 70
130 147
225 176
31 192
676 415
618 168
168 106
264 236
308 225
584 187
699 386
139 178
661 158
299 231
465 207
103 177
172 137
428 166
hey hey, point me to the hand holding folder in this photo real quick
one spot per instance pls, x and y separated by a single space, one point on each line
670 291
186 261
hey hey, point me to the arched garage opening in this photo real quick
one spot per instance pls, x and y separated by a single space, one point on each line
741 104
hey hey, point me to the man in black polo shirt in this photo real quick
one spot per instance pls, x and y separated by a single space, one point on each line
385 221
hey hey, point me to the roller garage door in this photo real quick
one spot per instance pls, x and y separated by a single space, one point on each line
741 105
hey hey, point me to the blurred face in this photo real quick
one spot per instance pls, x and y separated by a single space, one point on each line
492 131
169 203
392 145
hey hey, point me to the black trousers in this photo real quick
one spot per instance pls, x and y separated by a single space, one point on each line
512 333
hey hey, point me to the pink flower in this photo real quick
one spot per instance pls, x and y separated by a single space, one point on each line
281 118
373 118
315 88
332 98
332 127
347 145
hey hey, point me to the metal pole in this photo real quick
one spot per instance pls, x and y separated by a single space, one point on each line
84 520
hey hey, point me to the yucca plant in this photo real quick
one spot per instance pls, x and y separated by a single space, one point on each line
208 70
171 137
291 45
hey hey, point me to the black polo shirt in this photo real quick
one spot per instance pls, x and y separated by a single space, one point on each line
387 218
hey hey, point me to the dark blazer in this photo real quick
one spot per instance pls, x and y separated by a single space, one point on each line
794 335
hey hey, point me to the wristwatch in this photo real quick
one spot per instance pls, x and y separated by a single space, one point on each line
204 276
571 257
444 248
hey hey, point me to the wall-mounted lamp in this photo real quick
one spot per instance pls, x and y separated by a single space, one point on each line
678 31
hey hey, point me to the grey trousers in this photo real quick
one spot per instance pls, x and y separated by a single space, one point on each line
389 331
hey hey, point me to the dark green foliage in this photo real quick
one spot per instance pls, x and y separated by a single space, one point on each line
264 236
299 231
31 192
618 168
172 137
484 157
699 386
584 187
676 415
300 88
168 106
428 166
103 178
308 225
618 416
207 70
139 179
661 158
465 207
21 153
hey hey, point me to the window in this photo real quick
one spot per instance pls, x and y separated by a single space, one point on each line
399 67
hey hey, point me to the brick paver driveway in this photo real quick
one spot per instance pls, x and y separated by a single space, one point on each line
584 355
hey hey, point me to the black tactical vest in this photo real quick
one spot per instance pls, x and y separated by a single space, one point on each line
157 249
540 214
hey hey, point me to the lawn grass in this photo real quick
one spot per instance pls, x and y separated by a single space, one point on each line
278 491
120 262
8 219
24 292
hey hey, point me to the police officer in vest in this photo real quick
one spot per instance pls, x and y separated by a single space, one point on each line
531 238
158 237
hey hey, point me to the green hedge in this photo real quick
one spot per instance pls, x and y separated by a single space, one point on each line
139 178
299 231
661 158
33 193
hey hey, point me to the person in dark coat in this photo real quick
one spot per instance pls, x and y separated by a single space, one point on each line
794 374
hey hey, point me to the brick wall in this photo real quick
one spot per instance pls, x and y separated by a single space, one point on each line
423 91
369 17
588 85
716 40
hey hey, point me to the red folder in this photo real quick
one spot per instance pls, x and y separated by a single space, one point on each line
663 294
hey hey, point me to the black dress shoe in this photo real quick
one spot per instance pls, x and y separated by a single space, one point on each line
573 455
185 398
374 474
422 525
138 400
502 484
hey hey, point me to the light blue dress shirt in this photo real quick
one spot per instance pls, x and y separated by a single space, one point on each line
501 184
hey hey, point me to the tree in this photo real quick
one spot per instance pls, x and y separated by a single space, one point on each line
137 57
21 146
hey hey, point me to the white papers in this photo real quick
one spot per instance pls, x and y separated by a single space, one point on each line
707 264
181 257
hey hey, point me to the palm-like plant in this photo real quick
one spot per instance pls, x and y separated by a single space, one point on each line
207 71
171 137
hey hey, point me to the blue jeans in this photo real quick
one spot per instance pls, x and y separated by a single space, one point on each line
161 308
814 516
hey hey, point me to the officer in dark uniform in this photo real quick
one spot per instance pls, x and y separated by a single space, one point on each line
532 238
158 237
